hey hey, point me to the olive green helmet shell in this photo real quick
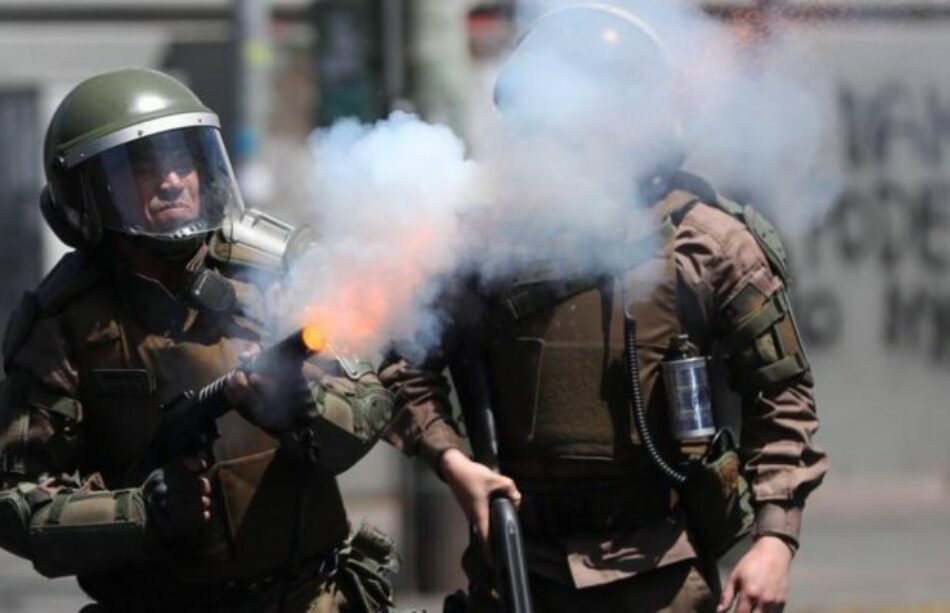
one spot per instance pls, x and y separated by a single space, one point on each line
102 112
111 102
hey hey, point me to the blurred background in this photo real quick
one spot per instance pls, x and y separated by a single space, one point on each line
872 280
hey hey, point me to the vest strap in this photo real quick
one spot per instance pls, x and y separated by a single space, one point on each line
531 298
123 503
761 229
785 369
58 506
757 323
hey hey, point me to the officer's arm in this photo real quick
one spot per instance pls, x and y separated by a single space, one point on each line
747 303
46 515
330 412
424 425
779 419
345 414
64 526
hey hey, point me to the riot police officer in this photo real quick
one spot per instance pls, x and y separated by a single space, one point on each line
622 511
163 292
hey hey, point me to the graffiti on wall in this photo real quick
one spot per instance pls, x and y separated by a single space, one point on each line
893 216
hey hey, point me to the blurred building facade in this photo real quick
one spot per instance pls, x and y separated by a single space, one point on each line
872 278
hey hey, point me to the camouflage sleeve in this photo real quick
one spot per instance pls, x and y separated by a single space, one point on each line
64 524
41 415
37 449
40 431
346 416
50 515
424 425
747 308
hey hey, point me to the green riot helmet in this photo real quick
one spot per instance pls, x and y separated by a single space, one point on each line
137 153
593 72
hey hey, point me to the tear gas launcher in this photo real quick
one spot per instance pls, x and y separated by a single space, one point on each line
188 420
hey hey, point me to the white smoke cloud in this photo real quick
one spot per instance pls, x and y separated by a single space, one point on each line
389 197
594 105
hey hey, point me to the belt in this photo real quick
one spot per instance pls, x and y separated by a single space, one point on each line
148 594
587 508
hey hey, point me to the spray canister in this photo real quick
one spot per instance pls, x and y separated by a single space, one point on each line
687 391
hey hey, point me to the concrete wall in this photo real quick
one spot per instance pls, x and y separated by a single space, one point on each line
875 290
871 275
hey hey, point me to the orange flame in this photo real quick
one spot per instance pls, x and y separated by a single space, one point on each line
315 338
363 303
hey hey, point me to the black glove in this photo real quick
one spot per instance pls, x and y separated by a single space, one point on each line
178 498
273 400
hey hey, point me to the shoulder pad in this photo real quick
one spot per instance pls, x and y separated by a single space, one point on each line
761 229
259 240
770 242
73 274
729 206
764 233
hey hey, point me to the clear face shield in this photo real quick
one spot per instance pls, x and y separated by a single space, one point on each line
174 185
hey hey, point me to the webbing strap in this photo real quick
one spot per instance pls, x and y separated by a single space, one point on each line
527 300
530 298
757 323
785 369
35 496
56 509
123 504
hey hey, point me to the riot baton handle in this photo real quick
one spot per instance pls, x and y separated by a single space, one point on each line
471 384
508 550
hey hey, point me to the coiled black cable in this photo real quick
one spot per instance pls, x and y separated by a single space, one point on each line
636 403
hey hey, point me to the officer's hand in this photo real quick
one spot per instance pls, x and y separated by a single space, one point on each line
250 394
759 582
238 389
473 484
269 399
178 498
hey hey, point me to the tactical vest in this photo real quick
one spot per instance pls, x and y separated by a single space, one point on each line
555 359
127 372
555 351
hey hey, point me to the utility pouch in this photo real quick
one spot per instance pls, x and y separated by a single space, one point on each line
88 532
15 520
365 564
717 497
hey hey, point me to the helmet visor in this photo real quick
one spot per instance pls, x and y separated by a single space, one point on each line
171 185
